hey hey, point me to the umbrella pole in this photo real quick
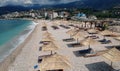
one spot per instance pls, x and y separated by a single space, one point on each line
104 37
51 52
89 46
111 63
70 36
77 40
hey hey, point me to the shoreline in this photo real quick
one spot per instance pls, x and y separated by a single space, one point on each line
4 65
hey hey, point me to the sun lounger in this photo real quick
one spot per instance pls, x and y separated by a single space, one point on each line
54 27
63 26
94 37
97 53
90 55
71 25
104 41
69 40
44 42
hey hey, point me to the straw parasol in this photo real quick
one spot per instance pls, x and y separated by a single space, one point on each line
72 32
44 25
113 55
89 41
117 38
106 33
92 31
79 35
54 62
48 38
46 34
50 47
55 24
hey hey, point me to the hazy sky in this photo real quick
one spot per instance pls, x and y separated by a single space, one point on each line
41 2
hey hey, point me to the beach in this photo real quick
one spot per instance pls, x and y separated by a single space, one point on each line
25 57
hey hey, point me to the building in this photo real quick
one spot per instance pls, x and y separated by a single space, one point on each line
92 17
81 16
55 14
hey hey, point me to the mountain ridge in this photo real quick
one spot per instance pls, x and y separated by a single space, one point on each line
94 4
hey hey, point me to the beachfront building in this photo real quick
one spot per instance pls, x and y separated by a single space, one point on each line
55 14
92 17
63 14
81 16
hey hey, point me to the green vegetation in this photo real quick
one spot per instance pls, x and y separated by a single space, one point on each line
110 13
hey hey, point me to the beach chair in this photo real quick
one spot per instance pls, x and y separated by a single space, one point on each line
69 40
44 42
54 27
94 37
104 41
63 26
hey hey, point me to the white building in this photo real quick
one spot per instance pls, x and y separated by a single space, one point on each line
55 14
92 17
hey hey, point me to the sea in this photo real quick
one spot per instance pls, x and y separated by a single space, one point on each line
12 34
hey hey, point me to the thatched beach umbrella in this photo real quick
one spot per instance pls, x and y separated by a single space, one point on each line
48 38
44 25
79 35
72 32
89 41
106 33
113 55
54 62
45 34
50 47
117 38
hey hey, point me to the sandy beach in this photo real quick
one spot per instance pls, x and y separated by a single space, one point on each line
26 55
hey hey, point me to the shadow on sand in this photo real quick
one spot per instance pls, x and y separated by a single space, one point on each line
77 54
74 45
99 66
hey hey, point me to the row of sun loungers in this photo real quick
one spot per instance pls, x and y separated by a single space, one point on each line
55 27
69 40
63 26
94 37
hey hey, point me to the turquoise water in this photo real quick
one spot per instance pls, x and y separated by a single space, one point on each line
12 33
10 28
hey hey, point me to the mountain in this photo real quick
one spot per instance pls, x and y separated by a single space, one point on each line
95 4
13 8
